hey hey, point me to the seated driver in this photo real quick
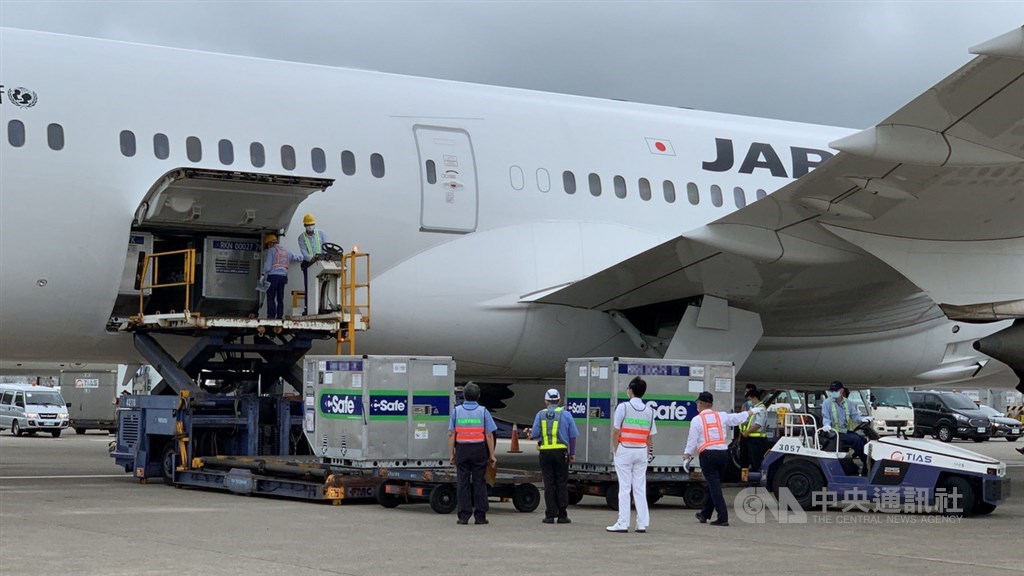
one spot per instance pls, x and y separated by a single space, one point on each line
839 414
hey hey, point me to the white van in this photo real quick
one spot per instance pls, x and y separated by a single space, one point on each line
891 410
25 408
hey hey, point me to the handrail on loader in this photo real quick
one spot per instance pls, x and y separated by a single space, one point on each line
188 276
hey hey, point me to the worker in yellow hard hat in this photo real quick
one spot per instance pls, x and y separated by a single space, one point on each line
311 245
275 271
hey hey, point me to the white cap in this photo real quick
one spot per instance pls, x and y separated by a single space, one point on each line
552 394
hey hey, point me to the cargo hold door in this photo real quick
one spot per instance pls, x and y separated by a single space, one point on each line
224 201
447 180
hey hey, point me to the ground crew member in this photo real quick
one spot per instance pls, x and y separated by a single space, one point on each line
840 415
754 434
275 271
747 404
707 439
471 449
311 245
632 428
557 432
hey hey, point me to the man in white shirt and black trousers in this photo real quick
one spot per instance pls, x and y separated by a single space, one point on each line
707 439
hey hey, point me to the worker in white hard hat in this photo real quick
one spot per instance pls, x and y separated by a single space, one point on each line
275 271
557 432
311 245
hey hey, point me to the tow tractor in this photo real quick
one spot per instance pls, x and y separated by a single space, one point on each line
902 475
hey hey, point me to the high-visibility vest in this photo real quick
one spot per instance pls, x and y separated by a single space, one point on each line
280 261
750 421
549 430
316 242
469 425
850 422
714 433
636 426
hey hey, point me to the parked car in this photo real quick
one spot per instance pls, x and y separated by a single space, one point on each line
948 415
1003 427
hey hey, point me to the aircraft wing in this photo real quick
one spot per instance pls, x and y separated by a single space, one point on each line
925 208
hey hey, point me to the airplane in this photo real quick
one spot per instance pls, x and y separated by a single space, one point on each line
514 229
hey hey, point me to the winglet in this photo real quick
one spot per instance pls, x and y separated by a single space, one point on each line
1009 45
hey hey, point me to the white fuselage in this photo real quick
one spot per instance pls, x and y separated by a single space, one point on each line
65 215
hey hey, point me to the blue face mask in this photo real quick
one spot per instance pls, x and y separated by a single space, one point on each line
309 229
833 394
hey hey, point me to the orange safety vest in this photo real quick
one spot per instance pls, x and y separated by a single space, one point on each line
280 261
636 427
469 426
714 433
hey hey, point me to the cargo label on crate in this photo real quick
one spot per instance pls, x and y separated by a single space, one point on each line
340 404
669 410
654 369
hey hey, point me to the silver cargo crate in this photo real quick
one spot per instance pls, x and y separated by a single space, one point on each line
378 411
594 386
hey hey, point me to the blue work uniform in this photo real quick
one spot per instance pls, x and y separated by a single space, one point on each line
275 268
557 432
471 423
843 417
309 245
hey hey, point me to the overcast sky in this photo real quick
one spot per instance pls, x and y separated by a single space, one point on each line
839 63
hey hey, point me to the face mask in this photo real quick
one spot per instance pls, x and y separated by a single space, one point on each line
309 229
833 394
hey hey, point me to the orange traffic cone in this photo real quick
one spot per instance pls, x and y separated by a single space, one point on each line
514 447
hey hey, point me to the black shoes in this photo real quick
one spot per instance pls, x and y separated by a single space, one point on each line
548 520
481 521
720 523
461 521
564 520
701 518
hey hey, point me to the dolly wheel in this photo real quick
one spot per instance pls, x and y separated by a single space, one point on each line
443 499
525 497
384 499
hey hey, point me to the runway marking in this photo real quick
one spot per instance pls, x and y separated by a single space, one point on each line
2 478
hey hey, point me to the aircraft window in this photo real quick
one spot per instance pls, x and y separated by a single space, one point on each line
16 133
739 197
55 136
431 172
692 193
127 143
569 182
645 189
348 163
595 184
377 165
543 180
620 186
193 149
161 146
670 191
257 155
515 175
761 193
319 160
716 195
287 157
226 151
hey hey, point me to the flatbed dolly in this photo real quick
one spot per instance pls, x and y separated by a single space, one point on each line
669 482
438 487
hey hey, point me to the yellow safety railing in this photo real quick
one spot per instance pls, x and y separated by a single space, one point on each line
355 296
188 277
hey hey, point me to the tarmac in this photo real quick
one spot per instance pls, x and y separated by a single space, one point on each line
65 508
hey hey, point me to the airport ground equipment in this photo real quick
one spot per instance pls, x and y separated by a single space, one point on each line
438 487
378 411
91 399
903 475
594 386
